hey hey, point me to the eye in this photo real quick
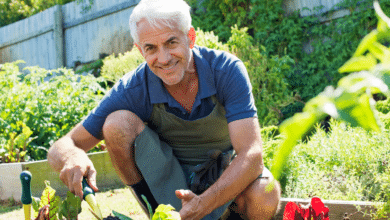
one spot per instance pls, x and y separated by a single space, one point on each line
149 48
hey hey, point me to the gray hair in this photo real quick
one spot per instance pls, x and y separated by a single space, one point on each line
172 13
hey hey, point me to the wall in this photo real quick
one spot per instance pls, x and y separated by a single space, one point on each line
11 187
62 35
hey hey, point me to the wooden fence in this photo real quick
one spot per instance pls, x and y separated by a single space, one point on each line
62 35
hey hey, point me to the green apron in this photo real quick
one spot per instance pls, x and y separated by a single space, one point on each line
169 141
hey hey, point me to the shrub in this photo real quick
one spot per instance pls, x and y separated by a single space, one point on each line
337 168
49 105
331 43
115 67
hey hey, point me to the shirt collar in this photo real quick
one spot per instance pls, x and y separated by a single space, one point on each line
158 93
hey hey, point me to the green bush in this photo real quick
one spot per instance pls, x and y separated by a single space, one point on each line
115 67
49 108
332 43
270 90
334 167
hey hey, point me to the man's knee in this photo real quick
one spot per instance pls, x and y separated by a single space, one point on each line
122 123
260 198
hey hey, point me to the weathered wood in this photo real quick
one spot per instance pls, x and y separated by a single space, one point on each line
58 37
337 209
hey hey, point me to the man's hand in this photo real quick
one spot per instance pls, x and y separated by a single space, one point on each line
76 167
191 205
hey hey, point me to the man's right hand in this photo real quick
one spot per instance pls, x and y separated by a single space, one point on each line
68 157
75 168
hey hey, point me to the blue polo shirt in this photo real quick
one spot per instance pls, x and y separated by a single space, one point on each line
220 74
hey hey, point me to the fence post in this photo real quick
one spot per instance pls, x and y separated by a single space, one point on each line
58 37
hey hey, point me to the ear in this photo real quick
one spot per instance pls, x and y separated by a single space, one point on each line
192 37
139 48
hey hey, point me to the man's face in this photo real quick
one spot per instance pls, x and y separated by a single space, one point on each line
167 51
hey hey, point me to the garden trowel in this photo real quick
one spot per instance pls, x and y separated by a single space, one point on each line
89 196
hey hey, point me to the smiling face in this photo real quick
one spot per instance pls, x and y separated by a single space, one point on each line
167 51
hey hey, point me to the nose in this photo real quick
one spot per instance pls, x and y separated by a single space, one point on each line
164 56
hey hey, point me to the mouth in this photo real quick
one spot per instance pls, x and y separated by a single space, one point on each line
169 68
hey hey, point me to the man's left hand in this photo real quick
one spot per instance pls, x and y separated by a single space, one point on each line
191 205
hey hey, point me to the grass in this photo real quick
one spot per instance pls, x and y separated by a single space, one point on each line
120 200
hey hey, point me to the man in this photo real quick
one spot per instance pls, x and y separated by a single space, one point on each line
166 123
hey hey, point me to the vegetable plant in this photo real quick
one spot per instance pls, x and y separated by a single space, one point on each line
38 108
352 101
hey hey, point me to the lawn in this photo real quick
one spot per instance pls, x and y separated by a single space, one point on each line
120 200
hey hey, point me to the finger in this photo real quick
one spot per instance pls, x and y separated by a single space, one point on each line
91 179
76 182
66 177
184 194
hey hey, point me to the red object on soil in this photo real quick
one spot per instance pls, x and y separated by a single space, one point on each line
316 210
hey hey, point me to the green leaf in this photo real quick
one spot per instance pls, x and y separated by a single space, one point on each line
380 52
359 63
70 207
358 111
292 129
166 212
359 83
367 41
149 206
121 216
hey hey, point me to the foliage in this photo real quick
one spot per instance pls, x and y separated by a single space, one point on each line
334 167
270 90
49 103
15 10
352 100
329 43
115 67
49 198
70 207
162 212
92 68
15 145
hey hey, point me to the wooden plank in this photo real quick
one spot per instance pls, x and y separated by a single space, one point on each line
337 209
98 14
108 34
27 29
41 171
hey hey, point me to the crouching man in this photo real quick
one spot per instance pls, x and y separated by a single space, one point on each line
181 128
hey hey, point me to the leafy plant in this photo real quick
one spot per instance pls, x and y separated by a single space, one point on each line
48 198
352 100
49 103
115 67
70 207
317 43
14 147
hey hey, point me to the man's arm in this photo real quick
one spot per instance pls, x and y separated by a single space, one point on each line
244 169
68 157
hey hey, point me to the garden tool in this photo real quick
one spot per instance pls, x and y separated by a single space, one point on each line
89 196
25 178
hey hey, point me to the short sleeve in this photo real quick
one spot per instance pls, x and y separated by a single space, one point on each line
129 93
235 91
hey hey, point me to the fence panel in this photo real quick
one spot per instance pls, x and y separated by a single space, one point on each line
31 40
103 29
322 6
